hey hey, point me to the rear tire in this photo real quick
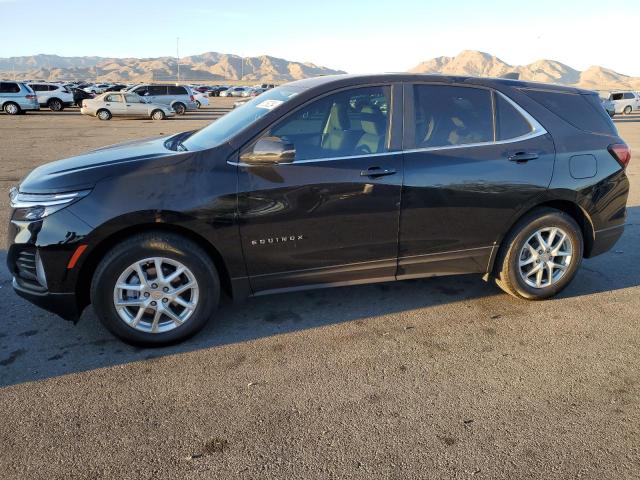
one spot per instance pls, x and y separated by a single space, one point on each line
11 108
522 256
179 108
627 110
55 105
198 104
200 275
104 114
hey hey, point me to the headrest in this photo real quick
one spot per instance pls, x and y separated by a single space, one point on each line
338 118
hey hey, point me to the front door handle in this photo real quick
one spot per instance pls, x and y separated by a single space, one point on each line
377 172
522 157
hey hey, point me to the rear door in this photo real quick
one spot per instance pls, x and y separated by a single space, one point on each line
331 216
473 159
115 103
157 94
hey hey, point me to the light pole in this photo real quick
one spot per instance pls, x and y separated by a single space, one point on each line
178 56
241 68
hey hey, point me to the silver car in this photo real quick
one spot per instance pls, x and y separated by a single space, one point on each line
125 104
178 97
625 102
16 97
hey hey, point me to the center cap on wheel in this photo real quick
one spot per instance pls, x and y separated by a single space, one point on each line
156 295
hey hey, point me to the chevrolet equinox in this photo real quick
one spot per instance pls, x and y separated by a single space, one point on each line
323 182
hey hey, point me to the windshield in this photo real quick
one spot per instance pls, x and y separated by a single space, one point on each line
233 122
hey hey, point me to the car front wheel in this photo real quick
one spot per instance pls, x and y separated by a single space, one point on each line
541 255
155 289
627 110
158 115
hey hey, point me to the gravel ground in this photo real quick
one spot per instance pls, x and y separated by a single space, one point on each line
436 378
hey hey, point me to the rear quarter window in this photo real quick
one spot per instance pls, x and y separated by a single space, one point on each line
583 111
9 87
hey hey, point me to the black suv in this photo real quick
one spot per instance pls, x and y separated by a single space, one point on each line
324 182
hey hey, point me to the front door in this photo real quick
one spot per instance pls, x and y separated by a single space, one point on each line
473 160
134 105
331 216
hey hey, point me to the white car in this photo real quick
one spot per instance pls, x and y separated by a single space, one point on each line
625 102
233 92
95 89
202 100
52 95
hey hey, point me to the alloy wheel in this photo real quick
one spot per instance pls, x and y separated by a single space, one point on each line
545 257
156 295
11 108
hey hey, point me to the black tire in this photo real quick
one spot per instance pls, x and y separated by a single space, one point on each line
55 105
198 104
103 114
508 276
627 110
180 108
140 247
158 115
11 108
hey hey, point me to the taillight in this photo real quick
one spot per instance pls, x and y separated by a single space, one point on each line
31 97
192 98
621 152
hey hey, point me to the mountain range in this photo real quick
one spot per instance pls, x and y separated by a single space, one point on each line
210 67
217 67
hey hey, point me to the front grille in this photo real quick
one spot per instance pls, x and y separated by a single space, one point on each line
25 270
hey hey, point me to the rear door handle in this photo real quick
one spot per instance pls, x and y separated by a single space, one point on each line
377 172
522 157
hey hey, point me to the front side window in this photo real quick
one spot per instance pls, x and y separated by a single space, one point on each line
616 96
629 96
348 123
141 91
113 98
450 116
132 98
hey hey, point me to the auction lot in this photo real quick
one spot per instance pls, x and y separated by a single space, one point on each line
437 378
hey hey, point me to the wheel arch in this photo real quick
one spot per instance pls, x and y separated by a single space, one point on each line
90 263
572 209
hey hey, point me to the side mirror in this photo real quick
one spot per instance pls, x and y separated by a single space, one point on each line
270 151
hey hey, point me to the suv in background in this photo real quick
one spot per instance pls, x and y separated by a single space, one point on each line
53 96
16 97
178 97
625 102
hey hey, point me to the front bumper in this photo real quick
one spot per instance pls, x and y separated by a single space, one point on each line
62 304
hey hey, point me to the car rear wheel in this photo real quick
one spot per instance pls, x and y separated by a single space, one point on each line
11 108
155 289
198 103
627 110
104 114
55 105
541 255
157 115
179 108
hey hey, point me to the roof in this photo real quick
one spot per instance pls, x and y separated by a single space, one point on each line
355 79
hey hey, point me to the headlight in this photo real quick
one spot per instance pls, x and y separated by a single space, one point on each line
29 206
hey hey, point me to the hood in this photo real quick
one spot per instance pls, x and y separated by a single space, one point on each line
84 171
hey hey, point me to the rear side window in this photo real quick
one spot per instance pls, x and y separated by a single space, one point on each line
629 96
509 122
450 116
582 111
157 89
177 90
9 87
113 98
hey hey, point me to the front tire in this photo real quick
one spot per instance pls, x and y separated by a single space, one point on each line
627 110
541 255
158 115
144 307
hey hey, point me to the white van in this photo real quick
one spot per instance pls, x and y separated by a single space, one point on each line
625 102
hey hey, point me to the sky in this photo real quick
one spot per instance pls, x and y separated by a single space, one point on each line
355 36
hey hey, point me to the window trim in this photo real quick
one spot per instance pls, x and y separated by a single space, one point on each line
393 112
409 120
